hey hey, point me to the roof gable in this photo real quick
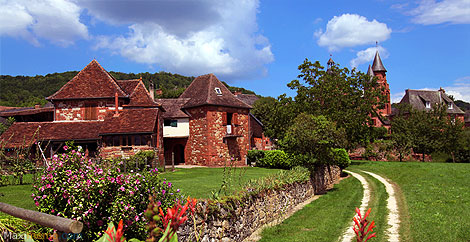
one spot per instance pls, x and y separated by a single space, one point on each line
208 90
138 93
91 82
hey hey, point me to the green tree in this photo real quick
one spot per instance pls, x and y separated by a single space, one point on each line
347 97
314 138
275 114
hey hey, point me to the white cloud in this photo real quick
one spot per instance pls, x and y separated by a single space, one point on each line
396 97
55 20
460 89
350 30
228 45
446 11
368 55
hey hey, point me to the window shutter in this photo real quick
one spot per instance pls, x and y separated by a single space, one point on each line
224 118
235 119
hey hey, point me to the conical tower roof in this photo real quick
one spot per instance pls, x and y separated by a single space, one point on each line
377 65
370 72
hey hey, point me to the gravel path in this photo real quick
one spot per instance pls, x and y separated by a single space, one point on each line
349 235
392 206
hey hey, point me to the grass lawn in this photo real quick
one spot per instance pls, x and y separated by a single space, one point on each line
325 219
200 182
436 196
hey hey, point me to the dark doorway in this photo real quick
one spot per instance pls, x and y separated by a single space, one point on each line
179 153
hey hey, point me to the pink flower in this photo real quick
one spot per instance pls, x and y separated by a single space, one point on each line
48 185
65 147
122 188
37 204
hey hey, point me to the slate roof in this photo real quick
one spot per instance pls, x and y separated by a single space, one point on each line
202 91
129 121
173 107
418 98
91 82
377 64
249 99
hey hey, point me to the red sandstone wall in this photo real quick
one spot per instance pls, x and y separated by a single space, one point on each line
208 143
75 110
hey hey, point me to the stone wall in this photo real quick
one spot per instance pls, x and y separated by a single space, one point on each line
237 219
209 144
75 110
111 152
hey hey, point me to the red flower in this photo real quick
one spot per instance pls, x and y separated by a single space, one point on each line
361 224
116 236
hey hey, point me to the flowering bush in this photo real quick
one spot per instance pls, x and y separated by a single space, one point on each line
74 187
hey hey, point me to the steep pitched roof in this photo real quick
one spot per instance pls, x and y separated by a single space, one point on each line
418 98
91 82
24 134
173 107
128 86
25 111
208 90
377 64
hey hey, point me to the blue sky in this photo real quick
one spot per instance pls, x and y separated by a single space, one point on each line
424 44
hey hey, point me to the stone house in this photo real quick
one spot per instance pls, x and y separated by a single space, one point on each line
426 100
107 117
208 125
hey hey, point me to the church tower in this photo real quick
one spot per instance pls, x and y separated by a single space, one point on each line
379 71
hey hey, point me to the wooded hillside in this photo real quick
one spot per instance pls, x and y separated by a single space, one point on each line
26 91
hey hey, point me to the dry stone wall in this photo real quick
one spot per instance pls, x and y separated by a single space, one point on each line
237 219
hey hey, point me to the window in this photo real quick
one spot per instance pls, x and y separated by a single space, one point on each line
91 112
229 118
218 91
170 123
450 106
428 104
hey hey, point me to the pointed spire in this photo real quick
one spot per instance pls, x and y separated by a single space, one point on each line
330 64
370 72
377 65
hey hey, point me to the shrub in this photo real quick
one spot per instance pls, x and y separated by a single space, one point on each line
254 156
74 187
341 157
274 159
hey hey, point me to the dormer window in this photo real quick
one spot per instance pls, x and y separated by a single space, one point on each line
218 91
450 106
428 104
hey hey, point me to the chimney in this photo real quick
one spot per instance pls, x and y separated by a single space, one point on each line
116 104
442 90
159 92
152 91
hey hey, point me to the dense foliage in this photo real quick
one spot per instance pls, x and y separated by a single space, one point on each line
427 131
346 97
25 91
74 187
314 137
